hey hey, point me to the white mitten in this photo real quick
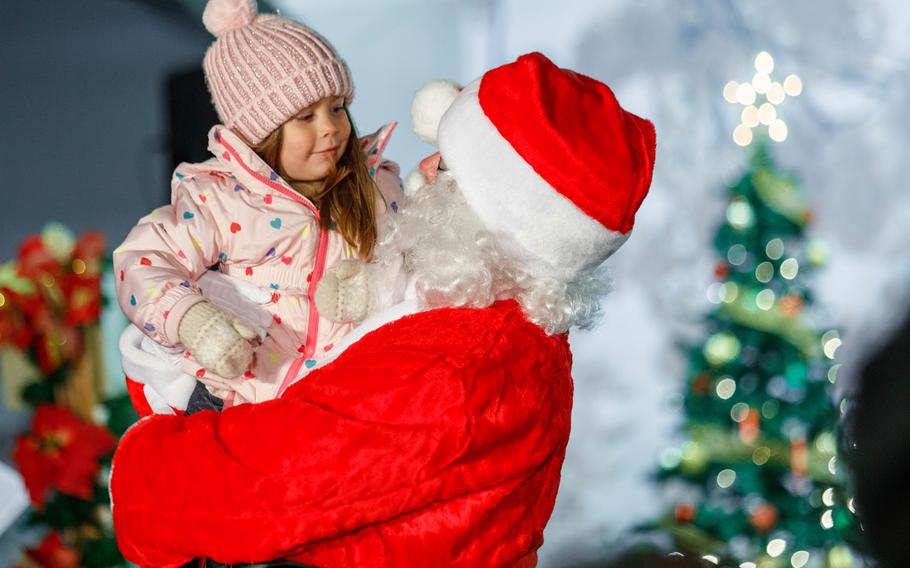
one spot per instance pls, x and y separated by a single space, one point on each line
217 339
346 295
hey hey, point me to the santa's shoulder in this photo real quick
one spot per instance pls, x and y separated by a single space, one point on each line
470 334
439 357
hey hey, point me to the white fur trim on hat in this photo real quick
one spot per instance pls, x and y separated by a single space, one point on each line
428 106
541 225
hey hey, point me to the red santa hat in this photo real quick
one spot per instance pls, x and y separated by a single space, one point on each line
546 157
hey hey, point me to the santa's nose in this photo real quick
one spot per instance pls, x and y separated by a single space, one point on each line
429 165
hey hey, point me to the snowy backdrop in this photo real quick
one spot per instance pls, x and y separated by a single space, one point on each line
666 60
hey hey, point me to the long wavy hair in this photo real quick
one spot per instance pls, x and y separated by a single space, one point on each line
347 196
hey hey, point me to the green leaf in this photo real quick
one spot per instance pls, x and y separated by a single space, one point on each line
63 511
9 278
121 415
38 392
102 553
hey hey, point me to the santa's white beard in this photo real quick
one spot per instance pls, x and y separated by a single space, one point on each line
458 263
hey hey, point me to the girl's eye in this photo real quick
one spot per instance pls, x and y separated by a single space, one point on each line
305 117
338 109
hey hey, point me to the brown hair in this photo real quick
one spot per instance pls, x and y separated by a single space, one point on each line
347 196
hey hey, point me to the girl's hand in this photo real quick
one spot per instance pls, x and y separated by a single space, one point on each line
217 339
346 295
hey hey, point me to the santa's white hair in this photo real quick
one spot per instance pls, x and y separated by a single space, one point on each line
458 263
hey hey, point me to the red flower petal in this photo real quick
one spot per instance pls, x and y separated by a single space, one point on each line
36 469
74 446
53 553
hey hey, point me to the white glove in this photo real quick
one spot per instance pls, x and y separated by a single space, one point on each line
346 295
217 339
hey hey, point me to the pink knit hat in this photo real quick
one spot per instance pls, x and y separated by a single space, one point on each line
262 69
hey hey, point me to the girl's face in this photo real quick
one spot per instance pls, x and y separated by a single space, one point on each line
314 140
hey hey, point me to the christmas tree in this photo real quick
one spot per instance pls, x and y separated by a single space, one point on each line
759 465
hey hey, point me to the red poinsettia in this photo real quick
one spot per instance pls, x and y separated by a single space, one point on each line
90 248
38 326
53 553
83 300
31 304
82 286
36 260
58 290
55 346
61 452
13 327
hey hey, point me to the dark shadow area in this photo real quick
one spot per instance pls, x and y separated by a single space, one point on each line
85 116
881 457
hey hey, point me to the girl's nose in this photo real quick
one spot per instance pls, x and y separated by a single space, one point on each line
429 165
329 127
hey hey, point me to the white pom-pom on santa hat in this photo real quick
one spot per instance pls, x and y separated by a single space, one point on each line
222 16
428 106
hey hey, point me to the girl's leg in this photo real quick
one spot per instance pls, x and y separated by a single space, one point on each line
202 399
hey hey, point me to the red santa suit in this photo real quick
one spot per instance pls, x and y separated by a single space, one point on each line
435 440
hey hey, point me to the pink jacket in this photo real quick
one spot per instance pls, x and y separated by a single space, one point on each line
234 212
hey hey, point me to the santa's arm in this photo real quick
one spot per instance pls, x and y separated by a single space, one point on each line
420 411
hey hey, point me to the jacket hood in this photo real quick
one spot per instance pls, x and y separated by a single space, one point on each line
232 154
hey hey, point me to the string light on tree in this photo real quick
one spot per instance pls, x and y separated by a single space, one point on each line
760 98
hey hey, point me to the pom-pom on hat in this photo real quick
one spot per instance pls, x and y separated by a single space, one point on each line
548 160
428 106
262 69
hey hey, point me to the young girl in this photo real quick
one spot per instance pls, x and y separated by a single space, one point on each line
290 194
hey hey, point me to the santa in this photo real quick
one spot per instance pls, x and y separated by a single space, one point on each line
435 436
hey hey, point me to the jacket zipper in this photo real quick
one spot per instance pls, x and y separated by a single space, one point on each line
309 347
